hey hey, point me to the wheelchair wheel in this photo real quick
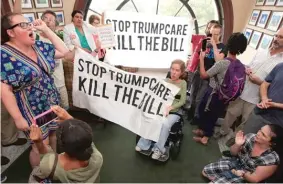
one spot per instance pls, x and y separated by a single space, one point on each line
175 150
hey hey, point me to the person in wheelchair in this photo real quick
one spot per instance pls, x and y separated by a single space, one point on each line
255 157
144 146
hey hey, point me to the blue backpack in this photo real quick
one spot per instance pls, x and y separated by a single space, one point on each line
233 82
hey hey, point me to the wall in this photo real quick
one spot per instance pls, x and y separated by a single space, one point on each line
68 6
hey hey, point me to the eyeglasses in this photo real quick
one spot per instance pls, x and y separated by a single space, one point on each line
23 25
278 36
47 19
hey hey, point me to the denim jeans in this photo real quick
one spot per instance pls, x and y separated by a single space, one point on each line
145 144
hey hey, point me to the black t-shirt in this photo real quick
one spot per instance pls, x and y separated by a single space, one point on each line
209 56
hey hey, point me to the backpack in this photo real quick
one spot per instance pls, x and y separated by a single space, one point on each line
233 82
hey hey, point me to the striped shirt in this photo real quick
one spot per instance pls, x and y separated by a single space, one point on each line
261 66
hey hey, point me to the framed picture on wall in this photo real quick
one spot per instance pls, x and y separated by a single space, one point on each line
29 16
41 3
39 14
275 21
254 17
270 2
25 4
259 2
255 39
56 3
279 3
265 41
263 18
248 33
60 18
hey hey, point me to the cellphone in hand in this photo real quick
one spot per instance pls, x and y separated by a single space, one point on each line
45 118
204 44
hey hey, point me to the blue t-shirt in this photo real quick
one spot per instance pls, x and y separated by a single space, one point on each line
275 90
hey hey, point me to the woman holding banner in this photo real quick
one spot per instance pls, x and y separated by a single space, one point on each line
177 76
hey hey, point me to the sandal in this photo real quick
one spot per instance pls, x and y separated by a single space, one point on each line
202 140
198 132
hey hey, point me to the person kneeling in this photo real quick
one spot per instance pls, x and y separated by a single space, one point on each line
177 72
80 161
256 158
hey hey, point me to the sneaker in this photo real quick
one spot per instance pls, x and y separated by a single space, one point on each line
19 142
156 154
4 160
144 152
3 179
138 149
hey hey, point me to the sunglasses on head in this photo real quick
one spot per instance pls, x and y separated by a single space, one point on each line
23 25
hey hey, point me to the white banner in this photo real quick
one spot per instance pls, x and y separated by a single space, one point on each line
148 41
133 101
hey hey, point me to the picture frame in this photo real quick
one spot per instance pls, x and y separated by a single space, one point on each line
275 21
279 3
26 4
60 17
29 16
254 17
39 14
248 33
263 18
255 39
259 2
41 3
56 3
270 2
265 41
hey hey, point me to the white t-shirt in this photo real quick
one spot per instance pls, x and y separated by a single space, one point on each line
58 75
261 66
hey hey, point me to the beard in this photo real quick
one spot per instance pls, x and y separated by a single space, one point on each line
276 45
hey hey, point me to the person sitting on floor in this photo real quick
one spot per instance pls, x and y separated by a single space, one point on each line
79 160
256 158
160 152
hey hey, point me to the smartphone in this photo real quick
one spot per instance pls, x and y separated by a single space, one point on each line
204 44
45 118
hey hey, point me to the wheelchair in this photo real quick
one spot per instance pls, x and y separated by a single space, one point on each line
174 140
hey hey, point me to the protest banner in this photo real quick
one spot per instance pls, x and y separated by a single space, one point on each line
148 41
135 102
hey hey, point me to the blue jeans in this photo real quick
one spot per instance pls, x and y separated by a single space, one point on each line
145 144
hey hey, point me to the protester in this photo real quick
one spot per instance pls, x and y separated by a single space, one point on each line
177 70
26 84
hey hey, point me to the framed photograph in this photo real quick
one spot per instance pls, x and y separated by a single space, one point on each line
263 18
255 39
29 16
39 14
60 18
265 41
56 3
279 3
275 21
254 17
270 2
259 2
25 4
41 3
248 33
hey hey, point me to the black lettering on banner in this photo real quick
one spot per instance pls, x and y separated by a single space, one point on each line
118 42
95 89
102 71
141 104
150 85
175 45
161 28
121 26
90 86
164 44
161 89
127 95
87 66
167 29
130 44
155 48
123 43
114 21
135 26
148 42
154 28
146 103
95 70
145 81
104 91
155 87
81 84
179 30
140 27
140 38
173 30
118 87
147 27
171 44
181 45
150 106
80 63
108 21
166 94
185 30
136 80
127 24
119 77
111 74
136 97
159 109
127 78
